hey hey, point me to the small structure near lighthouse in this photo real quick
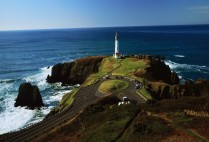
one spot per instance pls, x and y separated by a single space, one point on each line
117 53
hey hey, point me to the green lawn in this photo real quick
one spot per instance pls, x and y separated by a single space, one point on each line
92 79
113 85
144 93
107 66
68 98
123 67
129 66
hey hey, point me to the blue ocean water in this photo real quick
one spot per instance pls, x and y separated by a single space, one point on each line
26 56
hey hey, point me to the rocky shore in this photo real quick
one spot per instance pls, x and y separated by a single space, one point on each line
75 117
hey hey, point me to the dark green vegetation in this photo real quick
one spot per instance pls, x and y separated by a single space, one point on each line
168 120
108 124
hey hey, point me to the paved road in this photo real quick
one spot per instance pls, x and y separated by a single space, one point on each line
84 97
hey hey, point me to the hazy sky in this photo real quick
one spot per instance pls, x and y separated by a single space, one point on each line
45 14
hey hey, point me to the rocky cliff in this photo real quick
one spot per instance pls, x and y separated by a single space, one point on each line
189 88
163 83
75 72
157 70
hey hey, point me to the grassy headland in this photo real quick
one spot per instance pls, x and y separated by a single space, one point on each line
114 67
122 67
180 112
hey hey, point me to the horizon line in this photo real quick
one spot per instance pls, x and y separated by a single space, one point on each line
58 28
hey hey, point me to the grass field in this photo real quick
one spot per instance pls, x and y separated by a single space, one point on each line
113 86
68 98
107 66
123 67
145 93
129 66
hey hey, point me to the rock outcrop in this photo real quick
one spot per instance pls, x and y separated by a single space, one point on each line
148 57
189 88
159 71
75 72
29 96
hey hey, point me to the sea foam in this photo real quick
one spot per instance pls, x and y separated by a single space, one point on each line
15 118
179 56
57 96
186 67
40 78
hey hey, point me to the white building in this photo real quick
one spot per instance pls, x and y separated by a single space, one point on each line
117 53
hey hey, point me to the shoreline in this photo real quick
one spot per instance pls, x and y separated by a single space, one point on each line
92 63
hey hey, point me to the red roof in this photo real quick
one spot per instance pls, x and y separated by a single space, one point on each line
118 54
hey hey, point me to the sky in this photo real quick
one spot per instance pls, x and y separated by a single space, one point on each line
50 14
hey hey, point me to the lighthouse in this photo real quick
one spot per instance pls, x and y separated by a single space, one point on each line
117 53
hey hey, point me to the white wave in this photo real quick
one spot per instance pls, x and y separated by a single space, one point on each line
179 56
40 78
180 77
77 85
186 67
13 118
7 80
5 86
57 96
39 115
171 32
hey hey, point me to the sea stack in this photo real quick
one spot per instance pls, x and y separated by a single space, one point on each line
29 96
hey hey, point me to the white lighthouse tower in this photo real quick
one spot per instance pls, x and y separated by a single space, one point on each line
117 53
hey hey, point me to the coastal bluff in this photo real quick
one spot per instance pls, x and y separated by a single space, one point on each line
157 70
75 72
159 80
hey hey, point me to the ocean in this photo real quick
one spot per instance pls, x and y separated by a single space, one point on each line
27 56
